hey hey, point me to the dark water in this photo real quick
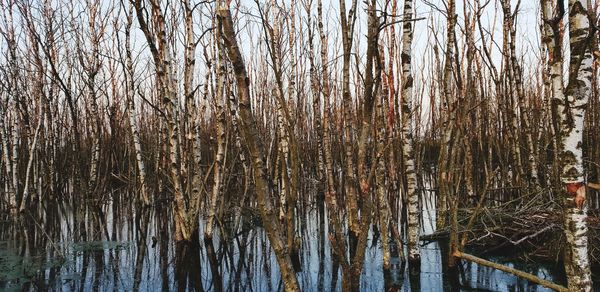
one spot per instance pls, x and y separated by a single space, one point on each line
67 248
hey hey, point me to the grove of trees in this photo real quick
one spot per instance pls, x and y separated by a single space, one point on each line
214 107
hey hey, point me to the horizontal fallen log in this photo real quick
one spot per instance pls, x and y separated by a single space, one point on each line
518 273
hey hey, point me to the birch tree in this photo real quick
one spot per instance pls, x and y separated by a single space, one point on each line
131 107
161 50
571 114
414 253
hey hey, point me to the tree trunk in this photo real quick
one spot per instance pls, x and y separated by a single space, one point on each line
414 254
249 130
449 120
571 116
221 146
130 91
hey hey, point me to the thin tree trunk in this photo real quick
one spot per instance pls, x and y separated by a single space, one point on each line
130 90
221 137
347 22
414 254
91 63
12 196
382 201
450 112
32 149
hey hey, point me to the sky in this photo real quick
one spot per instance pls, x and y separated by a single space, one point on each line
528 36
527 31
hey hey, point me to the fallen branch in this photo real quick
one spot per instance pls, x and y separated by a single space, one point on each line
528 236
524 275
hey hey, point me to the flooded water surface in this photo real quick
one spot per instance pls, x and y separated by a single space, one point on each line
75 247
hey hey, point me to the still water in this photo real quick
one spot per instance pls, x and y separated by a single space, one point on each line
73 247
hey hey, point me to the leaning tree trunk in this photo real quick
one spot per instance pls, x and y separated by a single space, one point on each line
32 149
250 133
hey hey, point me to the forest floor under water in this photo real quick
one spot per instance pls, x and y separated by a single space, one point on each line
73 247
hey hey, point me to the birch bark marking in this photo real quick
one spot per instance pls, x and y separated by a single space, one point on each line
511 99
553 39
524 117
283 118
577 92
12 198
414 254
294 155
316 96
188 70
190 122
11 161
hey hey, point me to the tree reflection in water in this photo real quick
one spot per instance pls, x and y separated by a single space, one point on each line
121 247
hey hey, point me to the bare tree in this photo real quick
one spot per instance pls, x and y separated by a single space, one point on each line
249 131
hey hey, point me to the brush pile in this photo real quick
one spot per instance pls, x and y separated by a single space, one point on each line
532 231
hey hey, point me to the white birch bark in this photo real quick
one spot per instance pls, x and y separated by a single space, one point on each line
12 200
218 168
32 149
15 158
347 26
249 130
91 63
572 115
160 48
133 116
414 254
